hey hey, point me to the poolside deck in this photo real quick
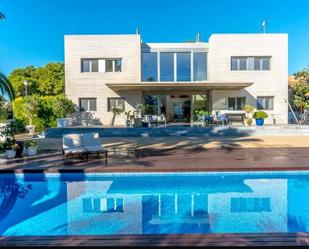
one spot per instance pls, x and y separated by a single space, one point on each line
174 154
241 239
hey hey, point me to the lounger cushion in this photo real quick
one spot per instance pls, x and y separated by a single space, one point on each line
91 139
72 143
74 151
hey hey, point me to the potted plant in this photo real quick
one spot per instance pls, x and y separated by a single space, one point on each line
138 112
30 108
31 146
248 109
259 117
62 108
116 112
10 147
7 132
129 118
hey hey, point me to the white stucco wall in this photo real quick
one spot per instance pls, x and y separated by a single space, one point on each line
273 82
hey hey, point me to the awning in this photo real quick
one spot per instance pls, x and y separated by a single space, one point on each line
177 87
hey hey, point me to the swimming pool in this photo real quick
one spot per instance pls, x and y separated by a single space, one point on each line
168 203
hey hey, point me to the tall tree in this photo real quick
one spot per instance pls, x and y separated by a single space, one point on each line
301 90
47 80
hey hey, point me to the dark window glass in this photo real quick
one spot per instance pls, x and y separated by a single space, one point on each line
242 63
115 103
236 103
108 65
88 104
234 64
150 66
266 64
231 103
183 67
118 65
257 63
199 66
265 103
85 66
166 66
94 65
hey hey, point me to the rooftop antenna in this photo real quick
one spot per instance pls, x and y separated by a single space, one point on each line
263 26
198 37
137 31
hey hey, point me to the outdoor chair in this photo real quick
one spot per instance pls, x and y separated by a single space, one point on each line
218 118
72 146
92 144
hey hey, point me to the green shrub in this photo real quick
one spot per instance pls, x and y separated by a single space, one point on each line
44 115
260 115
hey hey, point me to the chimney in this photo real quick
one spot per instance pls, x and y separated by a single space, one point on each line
198 36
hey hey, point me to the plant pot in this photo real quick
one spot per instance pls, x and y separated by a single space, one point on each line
10 153
20 148
30 129
259 121
32 151
248 121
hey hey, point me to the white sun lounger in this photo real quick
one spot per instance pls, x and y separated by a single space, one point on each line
72 145
92 143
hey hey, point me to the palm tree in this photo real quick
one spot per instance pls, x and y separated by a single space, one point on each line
6 87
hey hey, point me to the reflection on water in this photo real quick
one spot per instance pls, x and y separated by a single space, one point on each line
215 203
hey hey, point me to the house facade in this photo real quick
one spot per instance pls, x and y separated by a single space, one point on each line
177 79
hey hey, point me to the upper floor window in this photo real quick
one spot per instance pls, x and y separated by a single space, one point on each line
166 66
174 66
236 103
250 63
101 65
113 65
88 104
199 66
265 103
150 66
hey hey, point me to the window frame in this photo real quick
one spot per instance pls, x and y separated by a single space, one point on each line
248 59
98 65
115 98
88 99
265 109
235 102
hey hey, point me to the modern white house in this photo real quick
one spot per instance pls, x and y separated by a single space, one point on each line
225 73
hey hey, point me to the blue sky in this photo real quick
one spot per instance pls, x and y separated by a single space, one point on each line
32 33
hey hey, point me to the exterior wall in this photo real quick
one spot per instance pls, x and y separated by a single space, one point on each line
83 85
273 82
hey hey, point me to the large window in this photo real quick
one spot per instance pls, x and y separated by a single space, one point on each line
150 66
115 103
88 104
236 103
183 66
166 66
199 66
250 63
265 103
101 65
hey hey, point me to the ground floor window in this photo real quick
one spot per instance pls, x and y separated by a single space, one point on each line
236 103
88 104
265 103
115 103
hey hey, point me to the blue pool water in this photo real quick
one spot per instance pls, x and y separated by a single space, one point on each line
106 204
